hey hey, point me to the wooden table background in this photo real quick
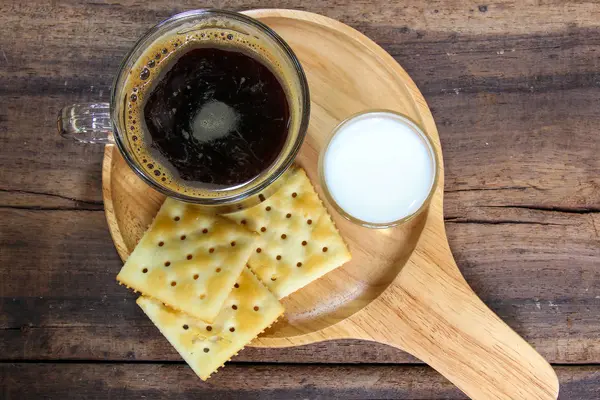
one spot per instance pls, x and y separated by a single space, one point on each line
515 90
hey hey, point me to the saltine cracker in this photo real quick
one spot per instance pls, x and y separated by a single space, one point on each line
188 259
298 240
249 309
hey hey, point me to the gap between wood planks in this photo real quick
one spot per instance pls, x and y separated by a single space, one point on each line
79 204
96 205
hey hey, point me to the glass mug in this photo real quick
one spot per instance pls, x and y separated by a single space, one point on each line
106 123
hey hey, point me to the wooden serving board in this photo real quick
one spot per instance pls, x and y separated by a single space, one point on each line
402 286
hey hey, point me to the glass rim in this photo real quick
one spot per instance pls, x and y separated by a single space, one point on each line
287 156
412 124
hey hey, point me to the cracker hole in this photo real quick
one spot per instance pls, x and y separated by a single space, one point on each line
209 328
298 264
232 329
273 278
161 244
218 270
234 307
278 258
258 250
206 349
233 244
261 197
176 218
167 263
243 222
182 237
189 256
211 250
294 194
186 327
304 243
263 229
204 230
324 249
256 308
309 221
173 283
202 296
145 270
237 285
288 215
283 236
196 276
268 208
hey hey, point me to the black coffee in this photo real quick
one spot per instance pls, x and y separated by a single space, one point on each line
217 117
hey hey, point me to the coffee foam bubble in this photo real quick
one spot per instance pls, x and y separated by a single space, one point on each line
147 72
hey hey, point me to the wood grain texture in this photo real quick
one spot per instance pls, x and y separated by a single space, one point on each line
243 381
519 131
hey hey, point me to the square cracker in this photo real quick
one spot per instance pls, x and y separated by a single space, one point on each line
188 259
298 241
206 347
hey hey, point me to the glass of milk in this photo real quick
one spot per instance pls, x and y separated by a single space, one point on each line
378 169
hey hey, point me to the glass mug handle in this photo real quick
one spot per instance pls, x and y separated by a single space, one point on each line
86 123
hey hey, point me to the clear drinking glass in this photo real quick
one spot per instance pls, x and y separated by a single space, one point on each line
433 156
104 123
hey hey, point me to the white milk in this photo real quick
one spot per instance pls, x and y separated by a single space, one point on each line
378 168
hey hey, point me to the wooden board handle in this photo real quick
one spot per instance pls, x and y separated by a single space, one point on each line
433 314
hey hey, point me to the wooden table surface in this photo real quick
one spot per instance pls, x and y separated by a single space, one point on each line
515 90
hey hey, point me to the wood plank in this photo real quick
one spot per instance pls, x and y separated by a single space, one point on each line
60 287
134 380
548 163
452 16
236 381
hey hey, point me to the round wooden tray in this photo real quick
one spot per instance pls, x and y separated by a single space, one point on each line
402 286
